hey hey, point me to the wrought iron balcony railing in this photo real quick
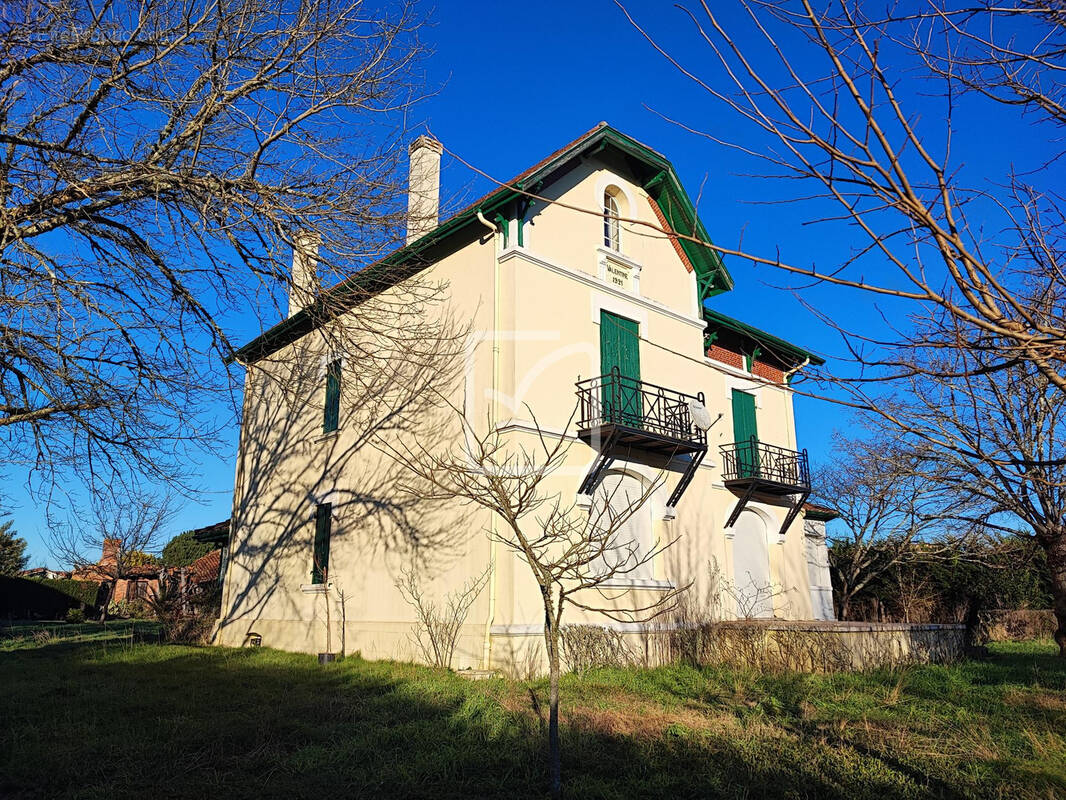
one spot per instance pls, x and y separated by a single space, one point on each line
614 399
758 461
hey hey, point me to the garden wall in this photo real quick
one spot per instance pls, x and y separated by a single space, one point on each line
824 646
767 645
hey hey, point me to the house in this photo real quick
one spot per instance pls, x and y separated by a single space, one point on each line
43 573
563 310
138 582
819 579
144 581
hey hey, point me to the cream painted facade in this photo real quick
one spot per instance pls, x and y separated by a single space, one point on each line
534 312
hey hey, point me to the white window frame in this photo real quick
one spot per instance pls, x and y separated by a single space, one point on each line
612 224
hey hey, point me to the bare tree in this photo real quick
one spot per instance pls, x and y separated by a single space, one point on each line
885 505
994 439
573 553
159 161
439 623
110 540
855 116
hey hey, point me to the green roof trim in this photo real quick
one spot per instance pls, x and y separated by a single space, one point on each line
665 187
767 341
819 513
653 171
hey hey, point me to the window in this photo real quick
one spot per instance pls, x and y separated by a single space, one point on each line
323 529
621 510
332 414
612 237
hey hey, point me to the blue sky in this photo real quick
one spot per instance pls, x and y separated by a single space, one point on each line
517 81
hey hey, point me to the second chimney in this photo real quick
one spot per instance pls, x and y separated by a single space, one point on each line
304 279
423 187
109 554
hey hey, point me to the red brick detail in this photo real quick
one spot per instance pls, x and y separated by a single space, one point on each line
765 371
673 239
109 556
725 356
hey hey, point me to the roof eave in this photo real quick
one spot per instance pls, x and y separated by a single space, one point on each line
711 272
743 328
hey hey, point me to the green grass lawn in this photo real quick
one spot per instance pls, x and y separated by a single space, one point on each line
101 715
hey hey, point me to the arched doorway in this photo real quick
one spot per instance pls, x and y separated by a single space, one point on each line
752 587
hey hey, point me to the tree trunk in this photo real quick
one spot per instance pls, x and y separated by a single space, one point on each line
555 769
551 643
329 622
972 621
1054 544
107 599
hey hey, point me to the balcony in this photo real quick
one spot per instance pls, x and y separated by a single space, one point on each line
626 418
756 467
778 469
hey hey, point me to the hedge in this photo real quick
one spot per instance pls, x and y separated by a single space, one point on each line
45 599
87 593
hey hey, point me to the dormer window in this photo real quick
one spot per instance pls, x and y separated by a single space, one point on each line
612 233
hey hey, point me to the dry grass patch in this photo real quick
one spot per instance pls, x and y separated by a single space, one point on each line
648 721
1026 698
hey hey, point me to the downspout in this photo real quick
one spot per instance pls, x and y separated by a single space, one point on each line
486 651
794 370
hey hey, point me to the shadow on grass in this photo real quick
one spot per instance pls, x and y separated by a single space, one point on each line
122 720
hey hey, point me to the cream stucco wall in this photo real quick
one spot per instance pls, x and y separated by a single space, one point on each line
538 307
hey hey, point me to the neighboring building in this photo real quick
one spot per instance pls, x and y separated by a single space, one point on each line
43 573
137 583
214 563
206 570
556 297
143 582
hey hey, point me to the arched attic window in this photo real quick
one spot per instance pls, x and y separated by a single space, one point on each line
612 229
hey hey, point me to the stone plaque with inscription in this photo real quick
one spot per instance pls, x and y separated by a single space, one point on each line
619 275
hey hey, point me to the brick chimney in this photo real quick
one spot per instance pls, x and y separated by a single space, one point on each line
109 556
423 187
304 281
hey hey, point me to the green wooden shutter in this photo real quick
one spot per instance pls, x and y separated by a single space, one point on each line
323 529
332 414
620 347
745 433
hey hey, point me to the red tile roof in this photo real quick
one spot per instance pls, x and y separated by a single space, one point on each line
206 568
